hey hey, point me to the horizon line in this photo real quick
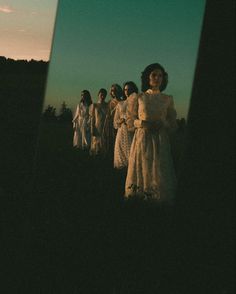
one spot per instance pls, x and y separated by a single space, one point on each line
25 59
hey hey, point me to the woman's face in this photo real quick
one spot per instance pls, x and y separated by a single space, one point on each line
126 90
101 96
113 92
156 78
82 96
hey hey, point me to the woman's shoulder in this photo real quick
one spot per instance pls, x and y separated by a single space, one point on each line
113 103
145 96
141 95
92 106
167 96
121 104
78 106
133 95
132 98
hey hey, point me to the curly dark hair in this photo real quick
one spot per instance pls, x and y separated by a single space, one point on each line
146 73
118 90
87 98
103 91
132 88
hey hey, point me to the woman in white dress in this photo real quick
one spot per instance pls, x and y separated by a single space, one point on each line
81 122
109 133
98 112
123 137
151 173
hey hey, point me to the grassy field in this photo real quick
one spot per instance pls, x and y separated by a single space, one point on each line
88 239
73 233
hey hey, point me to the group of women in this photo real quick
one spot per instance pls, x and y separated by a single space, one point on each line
134 128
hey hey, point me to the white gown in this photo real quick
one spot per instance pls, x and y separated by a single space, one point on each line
109 133
123 137
81 124
97 112
151 173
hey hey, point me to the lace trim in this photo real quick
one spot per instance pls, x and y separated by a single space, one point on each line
149 194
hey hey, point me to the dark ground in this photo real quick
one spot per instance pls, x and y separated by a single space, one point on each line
71 232
95 241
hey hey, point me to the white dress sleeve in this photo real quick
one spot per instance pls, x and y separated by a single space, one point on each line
92 118
131 111
76 113
117 118
75 118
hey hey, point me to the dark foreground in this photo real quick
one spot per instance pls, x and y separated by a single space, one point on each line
71 232
94 241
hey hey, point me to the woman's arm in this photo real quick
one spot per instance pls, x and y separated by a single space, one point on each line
131 111
117 118
76 114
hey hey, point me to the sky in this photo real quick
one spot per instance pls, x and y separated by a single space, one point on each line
26 28
98 43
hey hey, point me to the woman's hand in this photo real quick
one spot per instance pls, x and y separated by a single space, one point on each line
122 121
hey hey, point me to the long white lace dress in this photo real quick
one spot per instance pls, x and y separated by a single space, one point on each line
98 112
109 133
81 124
123 137
151 172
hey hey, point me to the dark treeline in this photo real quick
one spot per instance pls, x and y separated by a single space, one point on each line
65 114
22 89
11 66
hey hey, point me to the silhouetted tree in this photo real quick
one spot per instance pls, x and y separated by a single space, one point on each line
65 113
50 113
181 123
22 66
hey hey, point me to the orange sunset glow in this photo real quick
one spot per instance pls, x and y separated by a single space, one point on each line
26 29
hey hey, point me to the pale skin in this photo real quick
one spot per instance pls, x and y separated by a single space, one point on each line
82 100
126 91
113 92
155 80
101 97
82 95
